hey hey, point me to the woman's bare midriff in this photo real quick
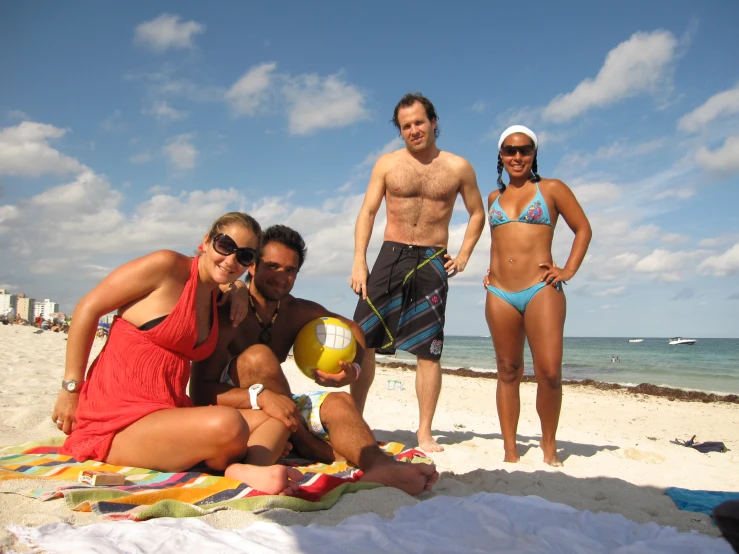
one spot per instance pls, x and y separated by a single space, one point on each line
518 249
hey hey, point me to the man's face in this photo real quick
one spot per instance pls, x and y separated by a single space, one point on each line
415 127
274 275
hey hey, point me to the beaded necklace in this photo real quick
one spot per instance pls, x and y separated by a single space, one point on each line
265 337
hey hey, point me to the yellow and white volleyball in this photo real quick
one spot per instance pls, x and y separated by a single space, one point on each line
322 344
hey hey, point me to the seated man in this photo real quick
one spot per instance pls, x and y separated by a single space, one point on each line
239 362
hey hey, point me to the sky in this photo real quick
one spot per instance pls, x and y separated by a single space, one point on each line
129 127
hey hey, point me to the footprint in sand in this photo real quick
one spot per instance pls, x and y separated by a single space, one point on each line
643 456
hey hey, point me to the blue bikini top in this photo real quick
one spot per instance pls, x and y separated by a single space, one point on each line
535 213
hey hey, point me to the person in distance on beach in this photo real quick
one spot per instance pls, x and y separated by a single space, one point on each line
133 409
403 299
325 425
526 299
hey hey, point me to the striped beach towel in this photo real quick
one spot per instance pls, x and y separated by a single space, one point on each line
150 494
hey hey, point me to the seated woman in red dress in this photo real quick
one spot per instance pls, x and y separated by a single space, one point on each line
132 409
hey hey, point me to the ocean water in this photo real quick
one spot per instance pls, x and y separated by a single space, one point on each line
710 365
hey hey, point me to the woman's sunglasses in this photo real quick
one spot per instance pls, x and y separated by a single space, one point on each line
510 151
225 246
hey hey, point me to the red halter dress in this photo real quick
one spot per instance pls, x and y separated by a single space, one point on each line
137 373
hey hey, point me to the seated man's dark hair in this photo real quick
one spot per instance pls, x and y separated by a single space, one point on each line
287 236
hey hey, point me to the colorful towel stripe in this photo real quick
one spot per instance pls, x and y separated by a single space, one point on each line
148 494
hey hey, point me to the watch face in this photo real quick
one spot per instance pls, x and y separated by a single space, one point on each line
71 386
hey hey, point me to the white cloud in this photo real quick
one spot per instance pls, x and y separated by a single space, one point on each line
721 265
158 189
321 103
718 241
675 238
616 291
597 193
668 266
18 114
114 122
618 150
610 267
246 94
723 103
372 157
679 194
622 230
549 137
181 151
638 65
166 31
725 160
25 151
141 158
164 112
479 106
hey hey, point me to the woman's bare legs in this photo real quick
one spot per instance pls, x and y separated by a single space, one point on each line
176 439
507 330
544 321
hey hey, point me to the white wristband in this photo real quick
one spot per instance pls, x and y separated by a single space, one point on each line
358 368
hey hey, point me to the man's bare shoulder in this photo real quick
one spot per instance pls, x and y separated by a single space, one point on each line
391 159
302 311
454 161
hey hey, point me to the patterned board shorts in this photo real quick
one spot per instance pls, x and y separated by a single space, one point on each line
406 301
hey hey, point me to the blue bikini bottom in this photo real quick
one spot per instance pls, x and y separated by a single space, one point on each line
520 299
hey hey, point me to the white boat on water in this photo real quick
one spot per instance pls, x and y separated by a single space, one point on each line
636 340
680 340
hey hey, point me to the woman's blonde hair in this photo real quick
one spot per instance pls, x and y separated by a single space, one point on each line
235 218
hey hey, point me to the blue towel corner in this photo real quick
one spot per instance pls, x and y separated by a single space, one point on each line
699 501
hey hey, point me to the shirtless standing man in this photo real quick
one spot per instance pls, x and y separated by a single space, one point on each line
404 298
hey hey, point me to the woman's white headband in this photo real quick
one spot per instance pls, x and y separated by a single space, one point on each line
518 129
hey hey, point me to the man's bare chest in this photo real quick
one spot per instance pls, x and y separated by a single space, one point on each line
433 182
279 336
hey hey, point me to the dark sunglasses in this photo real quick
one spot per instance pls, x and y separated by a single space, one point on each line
510 151
225 246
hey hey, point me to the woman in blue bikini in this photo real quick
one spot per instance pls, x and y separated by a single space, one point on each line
526 300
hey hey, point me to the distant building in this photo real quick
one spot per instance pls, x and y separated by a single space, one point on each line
26 307
7 302
108 318
45 309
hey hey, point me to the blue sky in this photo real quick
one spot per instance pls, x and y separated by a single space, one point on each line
126 128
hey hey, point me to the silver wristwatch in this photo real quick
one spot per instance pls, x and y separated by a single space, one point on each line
254 392
70 385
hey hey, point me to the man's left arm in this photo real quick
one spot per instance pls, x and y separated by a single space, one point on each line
472 199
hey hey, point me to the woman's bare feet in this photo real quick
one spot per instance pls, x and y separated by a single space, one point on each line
275 479
411 478
428 444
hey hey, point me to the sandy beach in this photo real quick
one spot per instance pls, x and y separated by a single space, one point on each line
616 445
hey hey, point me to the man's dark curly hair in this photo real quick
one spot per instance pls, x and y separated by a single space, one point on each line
411 98
287 236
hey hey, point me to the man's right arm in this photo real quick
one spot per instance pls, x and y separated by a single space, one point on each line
206 387
365 221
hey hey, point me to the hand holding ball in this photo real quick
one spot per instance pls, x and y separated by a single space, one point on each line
322 344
